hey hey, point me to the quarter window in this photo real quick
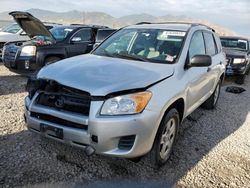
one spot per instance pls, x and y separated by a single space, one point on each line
197 46
210 45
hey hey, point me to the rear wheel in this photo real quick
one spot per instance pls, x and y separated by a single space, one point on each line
211 102
165 138
50 60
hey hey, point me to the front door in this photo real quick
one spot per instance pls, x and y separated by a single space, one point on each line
81 42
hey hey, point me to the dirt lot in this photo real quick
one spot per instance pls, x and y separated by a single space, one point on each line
213 149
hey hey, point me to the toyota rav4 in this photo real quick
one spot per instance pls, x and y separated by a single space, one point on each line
129 96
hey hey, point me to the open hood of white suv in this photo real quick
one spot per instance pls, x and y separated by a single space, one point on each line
100 75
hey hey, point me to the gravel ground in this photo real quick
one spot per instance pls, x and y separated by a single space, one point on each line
213 149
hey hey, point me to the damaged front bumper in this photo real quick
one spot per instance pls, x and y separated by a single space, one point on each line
120 136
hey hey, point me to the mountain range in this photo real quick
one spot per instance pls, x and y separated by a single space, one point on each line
78 17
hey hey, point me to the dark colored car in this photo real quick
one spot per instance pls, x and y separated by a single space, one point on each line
102 34
237 51
46 46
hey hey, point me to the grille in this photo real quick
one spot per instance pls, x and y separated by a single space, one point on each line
59 121
10 53
126 142
64 98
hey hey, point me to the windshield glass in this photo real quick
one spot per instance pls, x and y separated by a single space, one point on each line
238 44
13 28
153 45
60 33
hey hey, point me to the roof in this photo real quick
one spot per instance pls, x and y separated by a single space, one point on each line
88 25
180 26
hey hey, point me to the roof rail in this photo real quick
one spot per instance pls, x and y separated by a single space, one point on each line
88 25
52 23
200 24
140 23
192 24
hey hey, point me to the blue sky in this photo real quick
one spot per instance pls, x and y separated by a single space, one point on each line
233 14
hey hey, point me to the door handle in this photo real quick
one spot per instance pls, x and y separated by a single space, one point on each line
208 69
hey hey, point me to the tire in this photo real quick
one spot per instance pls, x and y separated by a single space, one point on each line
211 102
165 139
240 79
50 60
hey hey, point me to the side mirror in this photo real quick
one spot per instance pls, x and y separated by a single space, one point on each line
23 33
76 39
200 61
95 45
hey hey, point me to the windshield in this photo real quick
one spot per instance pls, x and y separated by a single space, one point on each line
13 28
60 33
153 45
238 44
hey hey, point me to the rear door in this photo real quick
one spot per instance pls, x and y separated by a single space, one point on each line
81 42
213 50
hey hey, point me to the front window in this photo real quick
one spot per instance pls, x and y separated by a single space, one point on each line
60 33
152 45
237 44
13 28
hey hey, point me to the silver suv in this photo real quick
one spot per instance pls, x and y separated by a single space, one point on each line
129 96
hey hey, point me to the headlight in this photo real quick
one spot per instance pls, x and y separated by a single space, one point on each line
239 60
126 104
28 51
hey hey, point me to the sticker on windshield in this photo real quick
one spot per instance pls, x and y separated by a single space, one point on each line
171 35
169 58
242 41
174 33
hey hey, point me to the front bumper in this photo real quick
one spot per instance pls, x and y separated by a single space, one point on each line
108 130
235 70
21 65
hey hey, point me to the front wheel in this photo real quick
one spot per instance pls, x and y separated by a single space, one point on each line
211 102
165 138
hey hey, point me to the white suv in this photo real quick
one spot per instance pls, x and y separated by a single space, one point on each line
129 96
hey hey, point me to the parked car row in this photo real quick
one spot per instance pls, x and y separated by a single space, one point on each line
128 96
48 45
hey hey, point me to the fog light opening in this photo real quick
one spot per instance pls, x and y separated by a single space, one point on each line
26 64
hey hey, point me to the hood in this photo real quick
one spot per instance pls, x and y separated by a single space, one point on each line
101 75
2 34
234 53
31 25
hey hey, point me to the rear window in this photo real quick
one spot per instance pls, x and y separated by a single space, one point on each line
103 33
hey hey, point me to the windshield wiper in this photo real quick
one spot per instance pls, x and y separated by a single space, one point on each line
128 56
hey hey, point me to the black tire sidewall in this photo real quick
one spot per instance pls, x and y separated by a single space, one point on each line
155 152
51 60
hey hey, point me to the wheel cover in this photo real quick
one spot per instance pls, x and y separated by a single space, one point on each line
167 138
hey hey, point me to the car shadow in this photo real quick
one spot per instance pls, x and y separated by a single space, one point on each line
34 160
11 84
